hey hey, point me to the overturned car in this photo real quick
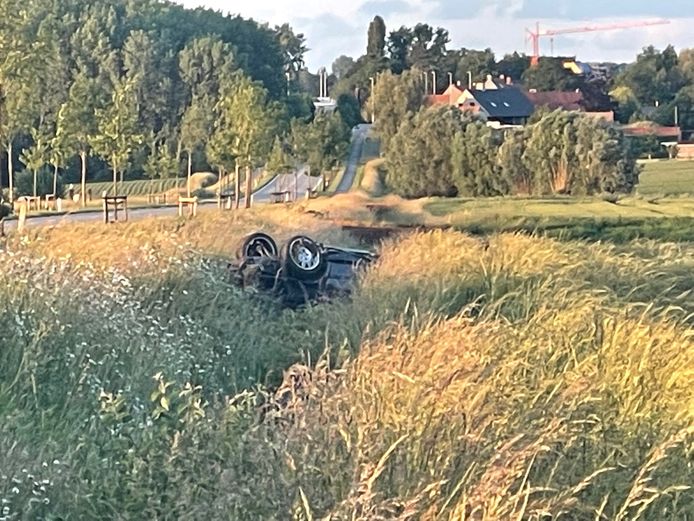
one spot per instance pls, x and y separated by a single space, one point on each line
302 271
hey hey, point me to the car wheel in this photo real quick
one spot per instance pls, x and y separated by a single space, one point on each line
257 245
304 259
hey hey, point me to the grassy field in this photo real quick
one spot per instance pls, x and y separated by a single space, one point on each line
510 377
667 178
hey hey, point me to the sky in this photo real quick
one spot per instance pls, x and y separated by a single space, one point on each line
333 28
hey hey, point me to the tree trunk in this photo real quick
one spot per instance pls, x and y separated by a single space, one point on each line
190 172
249 185
10 170
83 180
36 179
237 188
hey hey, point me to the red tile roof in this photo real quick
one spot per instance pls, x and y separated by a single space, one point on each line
651 129
569 100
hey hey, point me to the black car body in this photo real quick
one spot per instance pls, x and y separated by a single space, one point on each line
302 271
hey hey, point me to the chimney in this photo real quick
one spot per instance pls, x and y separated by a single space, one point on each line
509 81
457 83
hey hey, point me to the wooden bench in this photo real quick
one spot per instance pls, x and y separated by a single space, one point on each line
156 198
33 200
280 197
189 202
113 203
50 202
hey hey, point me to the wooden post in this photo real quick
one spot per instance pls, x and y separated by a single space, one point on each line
21 221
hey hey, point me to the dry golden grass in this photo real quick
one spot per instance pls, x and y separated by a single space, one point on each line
510 377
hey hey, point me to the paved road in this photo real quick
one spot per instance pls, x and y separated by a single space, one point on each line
297 184
358 138
284 182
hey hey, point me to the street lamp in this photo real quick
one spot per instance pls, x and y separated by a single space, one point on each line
433 85
450 78
373 100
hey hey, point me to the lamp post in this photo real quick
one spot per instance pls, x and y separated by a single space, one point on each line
373 100
287 75
469 80
450 79
433 85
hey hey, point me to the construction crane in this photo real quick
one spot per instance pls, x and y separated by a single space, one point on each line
534 36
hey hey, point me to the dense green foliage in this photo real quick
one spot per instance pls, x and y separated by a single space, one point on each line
655 86
443 152
124 79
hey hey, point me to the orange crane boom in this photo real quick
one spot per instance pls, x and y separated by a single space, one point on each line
535 36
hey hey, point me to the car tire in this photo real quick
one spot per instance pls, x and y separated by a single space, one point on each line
257 245
303 259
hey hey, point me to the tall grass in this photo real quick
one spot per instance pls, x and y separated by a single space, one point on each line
514 377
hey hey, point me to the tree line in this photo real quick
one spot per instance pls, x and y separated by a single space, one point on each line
441 151
146 87
647 89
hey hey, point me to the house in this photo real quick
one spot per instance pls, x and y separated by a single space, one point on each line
449 97
497 102
653 140
498 107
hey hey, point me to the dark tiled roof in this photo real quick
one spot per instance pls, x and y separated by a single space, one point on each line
508 102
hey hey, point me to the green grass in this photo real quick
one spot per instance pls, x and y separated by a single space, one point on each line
517 377
666 178
569 218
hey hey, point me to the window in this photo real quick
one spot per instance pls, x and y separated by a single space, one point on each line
506 104
493 104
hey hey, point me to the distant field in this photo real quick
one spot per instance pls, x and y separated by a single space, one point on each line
140 187
667 178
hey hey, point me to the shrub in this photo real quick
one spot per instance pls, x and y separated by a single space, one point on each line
24 183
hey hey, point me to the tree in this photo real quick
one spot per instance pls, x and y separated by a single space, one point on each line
322 144
118 131
348 108
245 124
513 65
475 169
655 77
196 126
420 158
394 98
478 63
514 173
376 44
399 43
35 156
569 153
161 163
342 66
293 48
550 74
76 122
